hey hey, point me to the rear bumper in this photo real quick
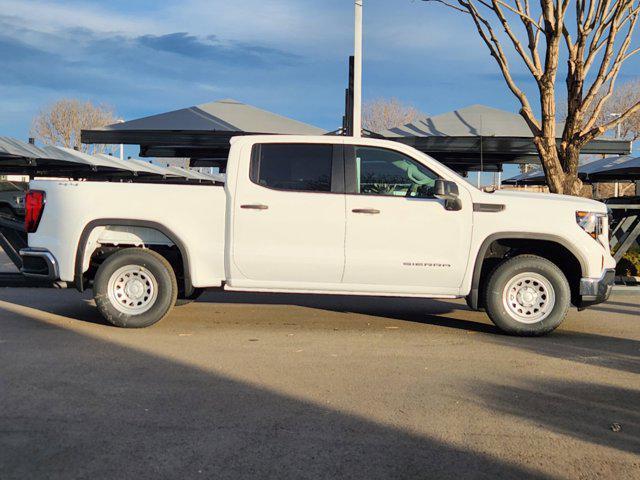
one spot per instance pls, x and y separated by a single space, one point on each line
39 263
596 290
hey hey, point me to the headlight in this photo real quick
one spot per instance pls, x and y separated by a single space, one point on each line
591 222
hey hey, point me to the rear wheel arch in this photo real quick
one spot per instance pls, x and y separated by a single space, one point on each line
186 285
570 261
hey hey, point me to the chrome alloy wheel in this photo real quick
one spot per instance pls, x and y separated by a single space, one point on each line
528 297
132 289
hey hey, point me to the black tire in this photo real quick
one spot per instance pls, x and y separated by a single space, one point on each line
186 300
504 310
163 292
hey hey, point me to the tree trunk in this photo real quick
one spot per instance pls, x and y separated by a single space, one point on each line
551 165
570 160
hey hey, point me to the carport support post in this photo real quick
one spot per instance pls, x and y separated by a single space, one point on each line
357 72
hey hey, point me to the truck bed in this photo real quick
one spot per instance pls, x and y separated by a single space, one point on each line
194 215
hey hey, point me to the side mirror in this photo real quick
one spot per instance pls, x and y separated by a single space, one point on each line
448 191
445 190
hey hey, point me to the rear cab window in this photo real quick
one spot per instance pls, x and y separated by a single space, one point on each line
298 167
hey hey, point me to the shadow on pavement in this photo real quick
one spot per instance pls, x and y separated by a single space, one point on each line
620 311
580 409
74 406
416 310
586 348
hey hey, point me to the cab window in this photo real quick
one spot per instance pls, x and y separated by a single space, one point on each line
297 167
385 172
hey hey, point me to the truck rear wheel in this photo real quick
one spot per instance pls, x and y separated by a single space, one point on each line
527 295
135 288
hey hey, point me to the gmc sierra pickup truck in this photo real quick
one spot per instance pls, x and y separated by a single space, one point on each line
323 215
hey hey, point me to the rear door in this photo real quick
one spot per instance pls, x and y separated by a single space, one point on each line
289 217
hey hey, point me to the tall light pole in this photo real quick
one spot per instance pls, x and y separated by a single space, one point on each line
357 71
121 120
616 185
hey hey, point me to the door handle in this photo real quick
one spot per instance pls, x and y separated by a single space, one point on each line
370 211
255 207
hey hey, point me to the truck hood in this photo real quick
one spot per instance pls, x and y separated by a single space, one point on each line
578 202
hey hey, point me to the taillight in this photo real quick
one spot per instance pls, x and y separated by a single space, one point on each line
34 206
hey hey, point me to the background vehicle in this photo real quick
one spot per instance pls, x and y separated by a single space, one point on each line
12 198
322 215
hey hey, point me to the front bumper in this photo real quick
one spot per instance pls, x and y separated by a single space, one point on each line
596 290
39 263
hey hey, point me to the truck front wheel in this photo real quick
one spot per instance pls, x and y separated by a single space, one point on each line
527 295
135 288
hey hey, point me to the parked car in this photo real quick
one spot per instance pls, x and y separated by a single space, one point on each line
322 215
12 198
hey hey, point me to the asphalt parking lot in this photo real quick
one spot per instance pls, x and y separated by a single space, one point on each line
293 386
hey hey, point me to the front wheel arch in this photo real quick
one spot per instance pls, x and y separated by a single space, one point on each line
551 247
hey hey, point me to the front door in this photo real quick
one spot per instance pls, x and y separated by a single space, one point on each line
400 238
289 217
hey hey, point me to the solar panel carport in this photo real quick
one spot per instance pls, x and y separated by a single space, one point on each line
484 138
202 131
610 169
23 158
467 139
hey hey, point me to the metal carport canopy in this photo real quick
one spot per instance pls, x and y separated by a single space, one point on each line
609 169
475 135
17 157
616 169
467 139
26 158
201 131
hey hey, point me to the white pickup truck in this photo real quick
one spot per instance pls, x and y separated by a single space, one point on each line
323 215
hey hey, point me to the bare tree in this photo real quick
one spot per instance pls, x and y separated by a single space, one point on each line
595 39
61 123
381 114
624 97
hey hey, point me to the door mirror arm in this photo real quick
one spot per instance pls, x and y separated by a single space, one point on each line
448 191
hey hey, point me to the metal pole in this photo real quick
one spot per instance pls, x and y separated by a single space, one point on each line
121 145
357 72
616 185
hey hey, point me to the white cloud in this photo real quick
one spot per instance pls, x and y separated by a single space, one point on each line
48 17
290 22
319 28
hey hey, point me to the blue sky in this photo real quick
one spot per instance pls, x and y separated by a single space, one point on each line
144 57
289 56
